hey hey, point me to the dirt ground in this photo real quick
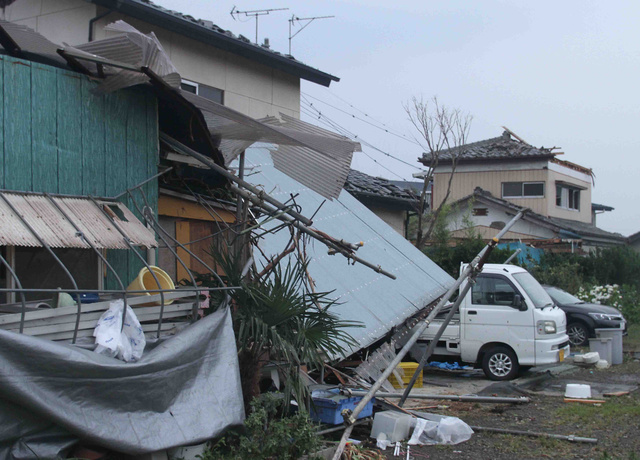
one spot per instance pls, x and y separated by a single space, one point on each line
615 423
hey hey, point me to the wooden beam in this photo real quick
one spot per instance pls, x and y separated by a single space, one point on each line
176 207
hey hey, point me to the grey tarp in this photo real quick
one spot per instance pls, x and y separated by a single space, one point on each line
183 391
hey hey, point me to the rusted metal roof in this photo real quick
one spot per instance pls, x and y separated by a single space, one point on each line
54 228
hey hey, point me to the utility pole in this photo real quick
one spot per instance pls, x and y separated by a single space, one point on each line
309 21
255 13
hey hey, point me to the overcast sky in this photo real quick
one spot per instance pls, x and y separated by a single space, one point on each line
563 74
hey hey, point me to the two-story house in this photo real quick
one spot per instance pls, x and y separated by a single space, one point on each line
214 63
496 177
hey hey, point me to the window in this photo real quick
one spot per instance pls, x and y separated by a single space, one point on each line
568 197
480 212
208 92
493 290
523 190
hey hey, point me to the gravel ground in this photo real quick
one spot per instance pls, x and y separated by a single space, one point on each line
615 424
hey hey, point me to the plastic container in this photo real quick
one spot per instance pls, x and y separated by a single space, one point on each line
145 281
577 391
328 405
395 425
603 346
616 345
406 370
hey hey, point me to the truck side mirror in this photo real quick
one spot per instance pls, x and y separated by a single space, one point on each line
518 303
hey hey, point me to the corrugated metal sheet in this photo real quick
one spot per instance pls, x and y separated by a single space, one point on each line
366 296
31 41
134 48
55 230
315 157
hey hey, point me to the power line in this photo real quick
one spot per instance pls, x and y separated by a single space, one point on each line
353 136
384 127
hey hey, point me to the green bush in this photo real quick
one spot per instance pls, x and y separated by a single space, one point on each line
268 435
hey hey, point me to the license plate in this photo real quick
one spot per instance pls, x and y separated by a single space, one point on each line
561 355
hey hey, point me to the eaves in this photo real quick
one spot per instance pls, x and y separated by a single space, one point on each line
146 13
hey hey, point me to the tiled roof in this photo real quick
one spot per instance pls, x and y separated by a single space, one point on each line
579 229
207 32
633 238
497 148
362 185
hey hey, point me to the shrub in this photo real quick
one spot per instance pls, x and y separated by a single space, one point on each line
268 434
625 298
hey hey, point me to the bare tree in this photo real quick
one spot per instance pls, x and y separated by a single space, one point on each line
442 130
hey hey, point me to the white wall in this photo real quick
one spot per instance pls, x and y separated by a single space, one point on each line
253 89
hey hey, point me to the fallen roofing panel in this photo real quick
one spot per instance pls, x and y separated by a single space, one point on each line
57 232
363 295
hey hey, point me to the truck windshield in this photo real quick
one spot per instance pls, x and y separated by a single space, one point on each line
533 289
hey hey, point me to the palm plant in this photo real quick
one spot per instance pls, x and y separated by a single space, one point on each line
276 319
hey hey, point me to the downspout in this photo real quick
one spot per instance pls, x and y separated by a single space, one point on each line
93 21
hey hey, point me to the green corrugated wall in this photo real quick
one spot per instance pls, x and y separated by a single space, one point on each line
57 137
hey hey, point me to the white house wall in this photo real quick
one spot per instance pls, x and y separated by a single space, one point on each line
61 21
253 89
523 228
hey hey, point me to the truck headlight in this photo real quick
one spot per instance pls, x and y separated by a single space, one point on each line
547 327
603 316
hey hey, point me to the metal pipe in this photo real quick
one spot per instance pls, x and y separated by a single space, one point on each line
463 398
117 291
434 341
350 418
571 437
80 234
300 226
511 257
144 262
157 227
46 246
232 177
19 284
470 273
143 183
152 221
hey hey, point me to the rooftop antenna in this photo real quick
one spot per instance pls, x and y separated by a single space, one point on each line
295 18
255 13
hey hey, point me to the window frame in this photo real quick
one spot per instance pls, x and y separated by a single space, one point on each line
566 196
522 184
501 278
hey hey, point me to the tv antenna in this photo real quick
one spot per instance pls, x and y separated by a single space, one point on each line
295 18
255 13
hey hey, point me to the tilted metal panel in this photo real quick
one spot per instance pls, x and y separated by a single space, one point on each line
373 299
56 231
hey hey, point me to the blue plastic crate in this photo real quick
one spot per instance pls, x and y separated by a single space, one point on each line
328 405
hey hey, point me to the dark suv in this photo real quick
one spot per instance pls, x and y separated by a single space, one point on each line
583 318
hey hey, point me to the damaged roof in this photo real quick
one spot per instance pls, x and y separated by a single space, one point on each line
207 32
371 189
363 295
498 148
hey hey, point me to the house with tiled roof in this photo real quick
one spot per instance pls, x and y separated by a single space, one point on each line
391 203
497 176
634 241
214 63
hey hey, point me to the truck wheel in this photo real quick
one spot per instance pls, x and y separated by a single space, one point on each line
500 363
578 334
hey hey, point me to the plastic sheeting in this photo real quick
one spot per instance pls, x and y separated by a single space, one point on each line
184 390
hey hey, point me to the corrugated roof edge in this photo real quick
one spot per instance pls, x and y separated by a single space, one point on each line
150 13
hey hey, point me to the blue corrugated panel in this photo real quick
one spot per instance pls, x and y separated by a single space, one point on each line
380 303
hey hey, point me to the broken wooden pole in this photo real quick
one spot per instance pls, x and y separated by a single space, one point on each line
465 398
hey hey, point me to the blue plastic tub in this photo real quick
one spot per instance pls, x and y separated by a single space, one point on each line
328 405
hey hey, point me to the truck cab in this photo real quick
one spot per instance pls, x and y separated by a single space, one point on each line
505 322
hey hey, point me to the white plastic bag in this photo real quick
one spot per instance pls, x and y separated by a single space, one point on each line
446 430
125 343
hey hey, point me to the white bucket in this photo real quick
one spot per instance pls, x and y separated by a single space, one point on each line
576 390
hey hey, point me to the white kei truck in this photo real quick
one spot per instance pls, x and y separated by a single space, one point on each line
506 323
